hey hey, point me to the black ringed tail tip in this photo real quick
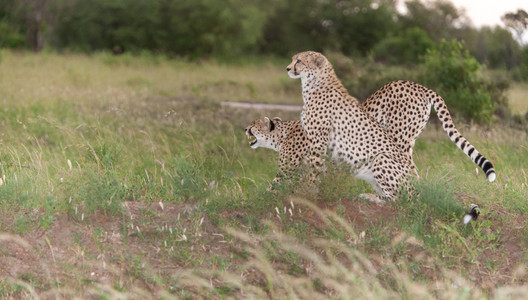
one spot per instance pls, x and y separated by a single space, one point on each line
491 175
488 169
444 117
473 214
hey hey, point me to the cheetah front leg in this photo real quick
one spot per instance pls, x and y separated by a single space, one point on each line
316 159
288 165
318 144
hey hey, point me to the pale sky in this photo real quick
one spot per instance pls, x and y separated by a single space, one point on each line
486 12
489 12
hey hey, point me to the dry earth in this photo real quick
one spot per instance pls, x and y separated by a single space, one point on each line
129 250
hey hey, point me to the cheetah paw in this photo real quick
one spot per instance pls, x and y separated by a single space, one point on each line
372 198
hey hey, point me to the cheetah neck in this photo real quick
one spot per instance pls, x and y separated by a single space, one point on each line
282 134
323 82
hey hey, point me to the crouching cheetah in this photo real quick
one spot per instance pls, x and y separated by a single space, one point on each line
286 137
334 120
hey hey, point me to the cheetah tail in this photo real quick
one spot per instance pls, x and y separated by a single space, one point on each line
455 136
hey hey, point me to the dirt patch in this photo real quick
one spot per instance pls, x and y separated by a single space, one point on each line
360 213
146 240
149 241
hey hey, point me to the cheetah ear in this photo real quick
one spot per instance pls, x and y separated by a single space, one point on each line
269 124
277 119
319 61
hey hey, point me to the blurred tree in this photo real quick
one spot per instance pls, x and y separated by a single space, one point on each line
293 26
36 13
351 27
195 28
103 24
495 47
517 21
455 75
209 27
356 26
29 17
406 46
11 25
439 18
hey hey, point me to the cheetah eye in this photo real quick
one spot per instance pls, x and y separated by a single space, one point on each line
296 62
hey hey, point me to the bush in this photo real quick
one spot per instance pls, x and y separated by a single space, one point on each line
407 47
520 73
100 191
362 77
193 28
10 37
455 75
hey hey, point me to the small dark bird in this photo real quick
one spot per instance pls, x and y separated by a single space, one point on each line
473 214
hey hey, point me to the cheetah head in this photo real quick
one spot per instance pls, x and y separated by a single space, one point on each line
263 133
306 65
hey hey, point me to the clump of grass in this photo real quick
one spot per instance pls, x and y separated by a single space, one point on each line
432 199
99 192
187 181
282 266
338 183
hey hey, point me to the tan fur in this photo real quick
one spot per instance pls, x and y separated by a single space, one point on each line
403 109
286 137
334 120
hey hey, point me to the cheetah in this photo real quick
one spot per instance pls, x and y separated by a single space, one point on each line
286 137
334 120
403 109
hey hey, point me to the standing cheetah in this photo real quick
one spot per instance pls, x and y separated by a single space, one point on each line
334 120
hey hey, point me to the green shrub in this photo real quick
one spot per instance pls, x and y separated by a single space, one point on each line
188 181
10 37
103 192
455 75
362 77
407 47
520 73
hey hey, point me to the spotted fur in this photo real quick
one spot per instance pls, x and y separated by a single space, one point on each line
334 120
403 109
286 137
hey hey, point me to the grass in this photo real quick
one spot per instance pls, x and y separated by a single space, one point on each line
128 173
517 98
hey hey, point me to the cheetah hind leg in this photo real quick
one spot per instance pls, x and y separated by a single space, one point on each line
412 165
385 181
365 173
414 170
